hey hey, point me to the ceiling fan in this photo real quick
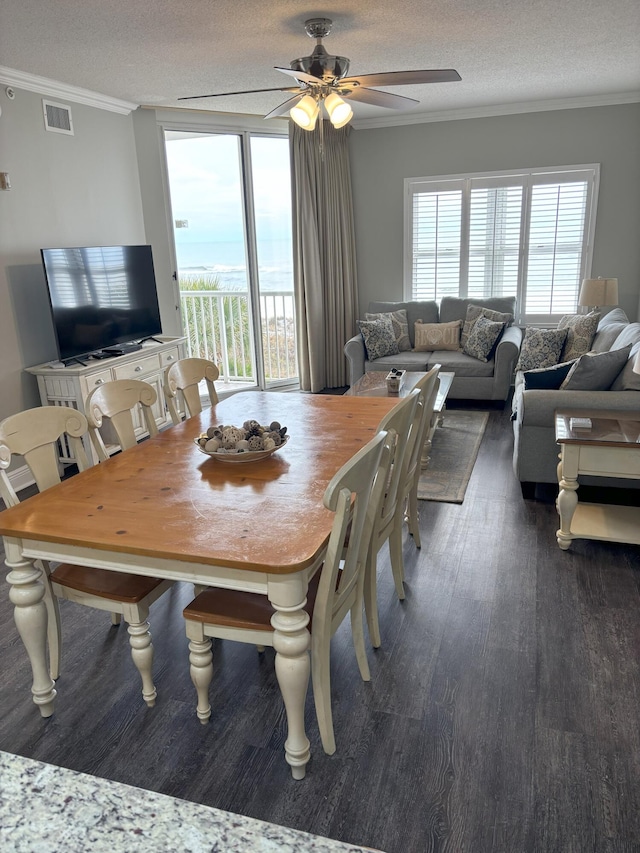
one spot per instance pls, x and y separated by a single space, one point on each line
322 79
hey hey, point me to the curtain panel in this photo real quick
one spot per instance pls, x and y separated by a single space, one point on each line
324 257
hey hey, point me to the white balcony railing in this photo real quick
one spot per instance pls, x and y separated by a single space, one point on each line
216 324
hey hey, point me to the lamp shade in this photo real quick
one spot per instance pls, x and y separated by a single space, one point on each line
305 113
599 291
339 111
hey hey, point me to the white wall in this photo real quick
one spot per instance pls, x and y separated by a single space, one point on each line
66 191
382 158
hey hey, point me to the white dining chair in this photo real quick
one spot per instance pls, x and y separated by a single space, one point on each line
399 420
354 495
184 377
34 435
127 404
407 504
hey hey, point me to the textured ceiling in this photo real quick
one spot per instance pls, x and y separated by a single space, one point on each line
508 52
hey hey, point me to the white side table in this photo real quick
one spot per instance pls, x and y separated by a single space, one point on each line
609 448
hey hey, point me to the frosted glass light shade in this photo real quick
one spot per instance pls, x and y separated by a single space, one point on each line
599 291
305 113
339 111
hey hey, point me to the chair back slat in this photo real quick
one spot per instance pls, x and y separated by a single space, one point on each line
116 401
427 387
185 377
354 495
34 435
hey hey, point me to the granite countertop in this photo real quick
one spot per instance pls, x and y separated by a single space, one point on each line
45 809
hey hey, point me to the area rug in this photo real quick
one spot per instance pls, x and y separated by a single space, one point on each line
453 455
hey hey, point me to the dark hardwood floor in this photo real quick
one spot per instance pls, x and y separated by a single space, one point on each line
502 714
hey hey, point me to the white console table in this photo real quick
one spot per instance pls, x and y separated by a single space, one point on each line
70 386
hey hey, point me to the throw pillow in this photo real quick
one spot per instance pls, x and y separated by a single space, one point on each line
627 380
400 327
378 336
482 339
547 378
475 311
437 336
596 371
540 348
581 330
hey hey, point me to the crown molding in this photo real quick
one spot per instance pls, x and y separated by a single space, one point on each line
498 110
54 89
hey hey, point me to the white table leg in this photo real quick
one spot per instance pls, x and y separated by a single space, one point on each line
567 496
291 642
30 614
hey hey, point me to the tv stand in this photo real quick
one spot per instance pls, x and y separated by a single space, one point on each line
71 385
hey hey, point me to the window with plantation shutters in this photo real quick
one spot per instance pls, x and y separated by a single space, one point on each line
526 234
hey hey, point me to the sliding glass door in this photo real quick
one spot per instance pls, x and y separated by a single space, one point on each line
231 215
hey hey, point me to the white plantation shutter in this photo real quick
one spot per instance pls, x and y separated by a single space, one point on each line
523 234
436 243
554 259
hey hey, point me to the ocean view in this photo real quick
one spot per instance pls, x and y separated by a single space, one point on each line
227 262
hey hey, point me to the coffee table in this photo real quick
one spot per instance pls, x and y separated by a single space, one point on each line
374 384
610 447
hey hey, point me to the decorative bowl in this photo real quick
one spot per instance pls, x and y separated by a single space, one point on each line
244 457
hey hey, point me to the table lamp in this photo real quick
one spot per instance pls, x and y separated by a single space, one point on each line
596 292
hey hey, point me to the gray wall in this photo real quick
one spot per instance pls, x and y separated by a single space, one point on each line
66 191
382 158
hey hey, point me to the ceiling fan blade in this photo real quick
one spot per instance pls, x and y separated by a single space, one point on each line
244 92
286 106
403 78
380 99
300 75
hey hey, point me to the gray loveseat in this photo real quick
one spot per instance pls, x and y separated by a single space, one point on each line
535 452
474 379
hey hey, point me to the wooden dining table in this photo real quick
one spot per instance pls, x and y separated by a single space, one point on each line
164 509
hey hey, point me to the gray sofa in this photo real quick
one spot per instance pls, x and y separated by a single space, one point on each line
535 452
474 379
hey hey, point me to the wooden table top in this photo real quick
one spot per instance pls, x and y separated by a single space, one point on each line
164 498
608 429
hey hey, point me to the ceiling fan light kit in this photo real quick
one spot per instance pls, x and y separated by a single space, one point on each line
305 113
321 78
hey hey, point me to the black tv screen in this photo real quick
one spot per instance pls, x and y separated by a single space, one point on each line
101 296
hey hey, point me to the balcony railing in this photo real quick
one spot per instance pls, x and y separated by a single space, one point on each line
216 325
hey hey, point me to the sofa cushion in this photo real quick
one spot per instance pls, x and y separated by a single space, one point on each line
433 336
581 329
426 310
541 348
378 337
411 361
455 307
483 338
629 335
476 311
606 335
462 365
615 316
596 371
627 380
400 327
547 378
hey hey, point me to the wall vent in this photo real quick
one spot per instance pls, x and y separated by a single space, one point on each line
57 117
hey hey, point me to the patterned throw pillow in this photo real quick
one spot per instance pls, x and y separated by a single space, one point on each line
475 311
378 336
581 330
482 339
437 336
596 371
541 348
400 327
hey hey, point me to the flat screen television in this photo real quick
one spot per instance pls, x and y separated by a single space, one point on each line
101 297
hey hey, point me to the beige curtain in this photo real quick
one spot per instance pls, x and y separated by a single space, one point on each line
324 257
